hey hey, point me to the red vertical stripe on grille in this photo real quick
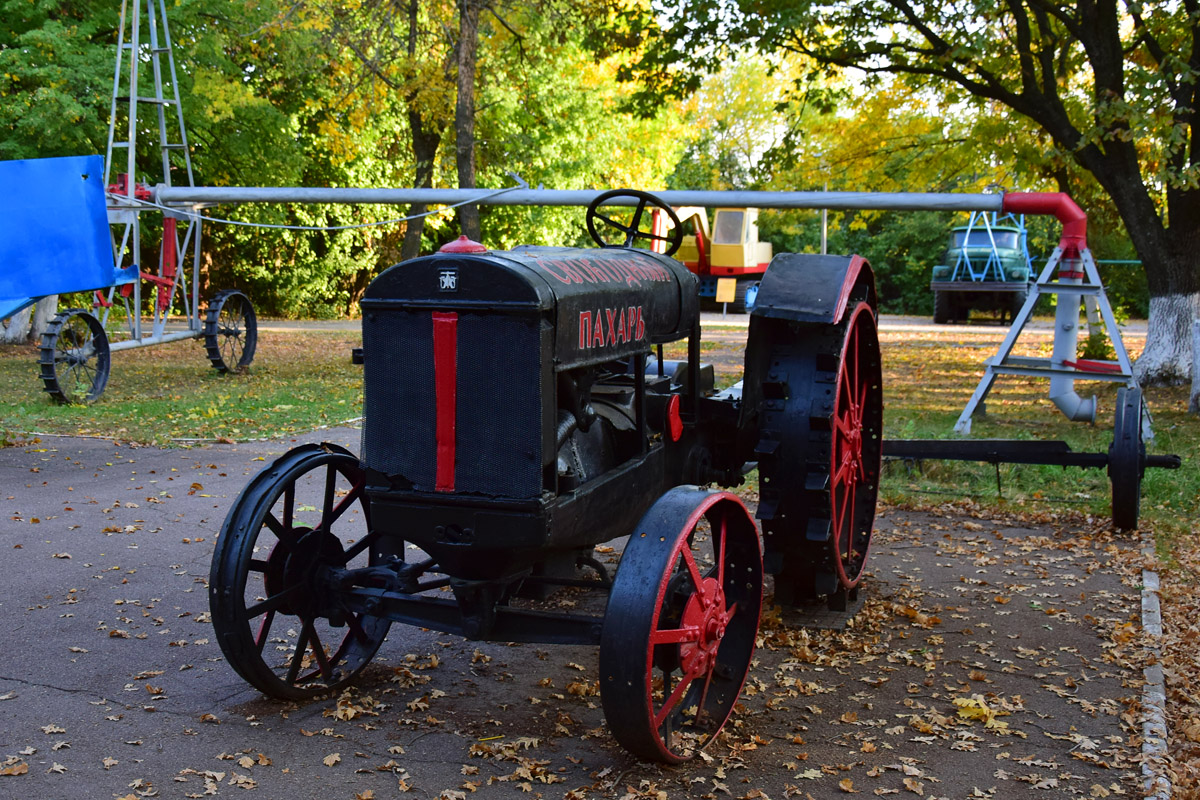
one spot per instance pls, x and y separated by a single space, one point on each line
445 385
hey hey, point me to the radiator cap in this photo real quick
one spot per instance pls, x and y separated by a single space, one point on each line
462 245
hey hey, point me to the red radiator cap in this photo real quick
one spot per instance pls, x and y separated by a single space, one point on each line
462 245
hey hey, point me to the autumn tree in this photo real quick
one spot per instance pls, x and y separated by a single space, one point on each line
1112 86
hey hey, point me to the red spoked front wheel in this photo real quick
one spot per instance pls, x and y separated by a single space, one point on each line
680 625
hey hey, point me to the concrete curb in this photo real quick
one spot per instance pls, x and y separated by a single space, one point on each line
1154 699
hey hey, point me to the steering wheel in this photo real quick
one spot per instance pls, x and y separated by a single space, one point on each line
632 232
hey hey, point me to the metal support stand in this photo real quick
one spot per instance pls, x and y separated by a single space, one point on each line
1073 291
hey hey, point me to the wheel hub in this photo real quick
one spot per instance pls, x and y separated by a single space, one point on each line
705 612
303 571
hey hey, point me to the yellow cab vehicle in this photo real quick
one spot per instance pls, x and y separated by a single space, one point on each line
730 260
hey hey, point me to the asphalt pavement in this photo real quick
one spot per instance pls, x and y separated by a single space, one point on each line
985 658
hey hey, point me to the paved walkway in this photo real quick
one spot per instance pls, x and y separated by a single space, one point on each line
988 658
709 319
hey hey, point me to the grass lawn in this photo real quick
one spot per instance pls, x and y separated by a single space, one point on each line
168 395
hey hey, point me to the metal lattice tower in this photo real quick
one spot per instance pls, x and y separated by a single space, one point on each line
142 21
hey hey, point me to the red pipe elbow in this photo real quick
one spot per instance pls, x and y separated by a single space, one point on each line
1058 204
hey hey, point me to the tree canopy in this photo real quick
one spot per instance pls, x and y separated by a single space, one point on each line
1111 87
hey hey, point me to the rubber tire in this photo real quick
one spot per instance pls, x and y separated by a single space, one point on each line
1017 303
943 308
53 379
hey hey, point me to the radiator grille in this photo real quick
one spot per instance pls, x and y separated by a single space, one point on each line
498 398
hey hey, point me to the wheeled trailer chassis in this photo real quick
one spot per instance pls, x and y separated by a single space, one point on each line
57 240
518 412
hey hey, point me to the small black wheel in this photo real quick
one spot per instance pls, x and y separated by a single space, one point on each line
632 231
75 358
1127 459
295 536
230 331
680 626
943 308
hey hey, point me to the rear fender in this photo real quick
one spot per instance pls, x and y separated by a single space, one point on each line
800 295
803 287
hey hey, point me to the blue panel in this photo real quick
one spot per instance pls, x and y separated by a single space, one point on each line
54 234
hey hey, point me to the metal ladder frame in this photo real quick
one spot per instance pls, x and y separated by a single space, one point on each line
124 209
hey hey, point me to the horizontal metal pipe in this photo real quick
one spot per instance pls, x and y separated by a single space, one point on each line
146 341
883 201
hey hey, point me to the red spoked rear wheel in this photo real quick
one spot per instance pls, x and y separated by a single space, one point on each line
856 447
680 626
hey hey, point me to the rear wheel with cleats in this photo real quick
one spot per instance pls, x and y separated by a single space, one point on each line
820 428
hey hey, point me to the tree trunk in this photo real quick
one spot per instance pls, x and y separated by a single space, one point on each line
1168 258
1194 405
425 141
464 112
17 329
1168 357
425 144
43 314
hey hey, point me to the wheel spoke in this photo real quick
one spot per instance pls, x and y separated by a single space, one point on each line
276 527
676 695
331 475
845 513
694 573
344 504
298 656
272 603
319 653
264 630
721 549
675 635
362 544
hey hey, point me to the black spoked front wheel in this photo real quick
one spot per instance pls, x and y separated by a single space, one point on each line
680 625
286 548
230 331
74 357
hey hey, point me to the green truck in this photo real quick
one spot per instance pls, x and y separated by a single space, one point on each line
986 267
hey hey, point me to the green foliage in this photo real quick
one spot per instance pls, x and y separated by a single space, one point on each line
56 60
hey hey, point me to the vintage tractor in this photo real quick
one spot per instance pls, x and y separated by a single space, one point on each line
518 412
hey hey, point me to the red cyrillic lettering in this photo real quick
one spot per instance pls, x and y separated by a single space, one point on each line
585 329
